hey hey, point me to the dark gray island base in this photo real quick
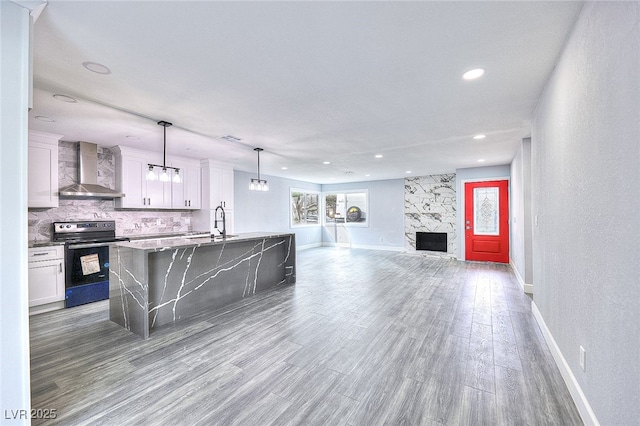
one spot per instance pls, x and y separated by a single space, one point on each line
163 281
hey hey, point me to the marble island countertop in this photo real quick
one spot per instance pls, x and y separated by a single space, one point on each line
162 281
193 240
166 235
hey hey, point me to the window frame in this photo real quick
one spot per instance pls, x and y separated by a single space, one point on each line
305 192
363 224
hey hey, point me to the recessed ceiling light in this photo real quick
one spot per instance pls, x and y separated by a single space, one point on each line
473 74
378 155
480 136
96 67
137 138
326 162
367 175
284 168
45 118
65 98
481 160
408 171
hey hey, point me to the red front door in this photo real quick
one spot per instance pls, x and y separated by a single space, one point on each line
487 221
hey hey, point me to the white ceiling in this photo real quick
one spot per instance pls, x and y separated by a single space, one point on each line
307 81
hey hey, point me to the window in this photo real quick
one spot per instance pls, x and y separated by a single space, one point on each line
349 208
304 207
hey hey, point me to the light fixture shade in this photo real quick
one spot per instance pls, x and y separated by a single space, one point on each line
151 174
176 176
164 176
265 186
252 185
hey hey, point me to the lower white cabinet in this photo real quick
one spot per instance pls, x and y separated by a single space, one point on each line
46 279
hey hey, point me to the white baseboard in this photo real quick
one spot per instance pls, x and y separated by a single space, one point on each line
527 288
308 246
587 414
40 309
362 246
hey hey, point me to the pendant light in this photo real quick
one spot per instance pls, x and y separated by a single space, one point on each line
164 174
258 184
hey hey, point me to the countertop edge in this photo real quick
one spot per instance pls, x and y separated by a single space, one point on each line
163 244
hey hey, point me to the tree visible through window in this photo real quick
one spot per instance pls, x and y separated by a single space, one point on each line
304 207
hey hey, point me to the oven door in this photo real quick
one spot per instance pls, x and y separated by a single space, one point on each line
87 273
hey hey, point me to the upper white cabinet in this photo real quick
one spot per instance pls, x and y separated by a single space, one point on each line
219 180
132 166
217 190
187 194
43 169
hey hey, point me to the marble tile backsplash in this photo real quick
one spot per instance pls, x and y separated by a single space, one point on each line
128 222
430 206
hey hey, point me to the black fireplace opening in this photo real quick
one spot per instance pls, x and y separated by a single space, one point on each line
432 241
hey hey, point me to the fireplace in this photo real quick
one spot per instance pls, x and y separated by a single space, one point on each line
432 241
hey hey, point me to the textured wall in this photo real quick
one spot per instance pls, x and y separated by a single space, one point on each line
586 180
430 206
128 222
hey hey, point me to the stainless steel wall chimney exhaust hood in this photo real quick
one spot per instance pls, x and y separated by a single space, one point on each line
87 186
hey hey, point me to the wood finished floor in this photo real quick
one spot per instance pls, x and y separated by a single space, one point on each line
364 338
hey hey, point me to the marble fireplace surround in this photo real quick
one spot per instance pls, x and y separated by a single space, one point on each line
430 206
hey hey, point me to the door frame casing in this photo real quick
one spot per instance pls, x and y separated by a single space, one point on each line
461 230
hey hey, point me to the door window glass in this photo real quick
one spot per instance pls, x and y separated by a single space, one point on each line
486 218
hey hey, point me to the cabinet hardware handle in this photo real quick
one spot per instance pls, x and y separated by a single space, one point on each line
60 270
144 201
149 201
185 203
189 203
40 254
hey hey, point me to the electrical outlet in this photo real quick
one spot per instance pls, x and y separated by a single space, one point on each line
158 222
583 358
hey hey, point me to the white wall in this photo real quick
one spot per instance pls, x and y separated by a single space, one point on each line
521 220
586 194
468 175
14 310
269 211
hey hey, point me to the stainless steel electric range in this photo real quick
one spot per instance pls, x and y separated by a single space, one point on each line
86 259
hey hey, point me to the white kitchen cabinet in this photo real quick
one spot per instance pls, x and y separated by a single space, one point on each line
131 178
46 279
217 189
220 185
187 194
43 169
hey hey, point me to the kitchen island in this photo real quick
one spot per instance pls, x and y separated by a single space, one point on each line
155 282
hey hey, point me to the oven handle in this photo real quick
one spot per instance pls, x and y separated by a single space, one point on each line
87 245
